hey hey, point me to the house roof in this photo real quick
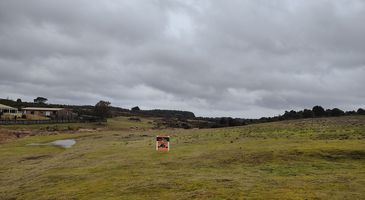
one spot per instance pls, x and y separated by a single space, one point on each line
5 107
42 109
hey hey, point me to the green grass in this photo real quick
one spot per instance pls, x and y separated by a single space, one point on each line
301 159
112 123
125 123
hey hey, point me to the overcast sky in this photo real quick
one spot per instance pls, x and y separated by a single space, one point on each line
239 58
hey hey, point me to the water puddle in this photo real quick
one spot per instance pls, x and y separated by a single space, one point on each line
64 143
67 143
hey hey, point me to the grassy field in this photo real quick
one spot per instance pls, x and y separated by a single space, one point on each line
300 159
113 123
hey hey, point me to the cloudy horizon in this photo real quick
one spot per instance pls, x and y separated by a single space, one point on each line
238 58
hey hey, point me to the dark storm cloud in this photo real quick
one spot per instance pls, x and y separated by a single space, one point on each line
227 58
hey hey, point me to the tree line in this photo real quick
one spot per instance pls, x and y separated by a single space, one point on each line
103 110
319 111
316 112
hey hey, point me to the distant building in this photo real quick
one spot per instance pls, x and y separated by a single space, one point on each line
53 113
7 112
7 109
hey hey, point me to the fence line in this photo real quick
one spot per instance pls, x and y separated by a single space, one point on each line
26 122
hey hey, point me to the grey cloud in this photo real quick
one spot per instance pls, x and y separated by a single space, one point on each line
237 58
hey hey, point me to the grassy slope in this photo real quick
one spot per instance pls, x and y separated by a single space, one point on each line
113 123
313 159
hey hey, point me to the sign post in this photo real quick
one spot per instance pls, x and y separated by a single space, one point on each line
163 143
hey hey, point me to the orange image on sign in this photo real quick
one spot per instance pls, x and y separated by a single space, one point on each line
163 143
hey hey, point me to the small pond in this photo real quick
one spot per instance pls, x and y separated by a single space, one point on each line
64 143
67 143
